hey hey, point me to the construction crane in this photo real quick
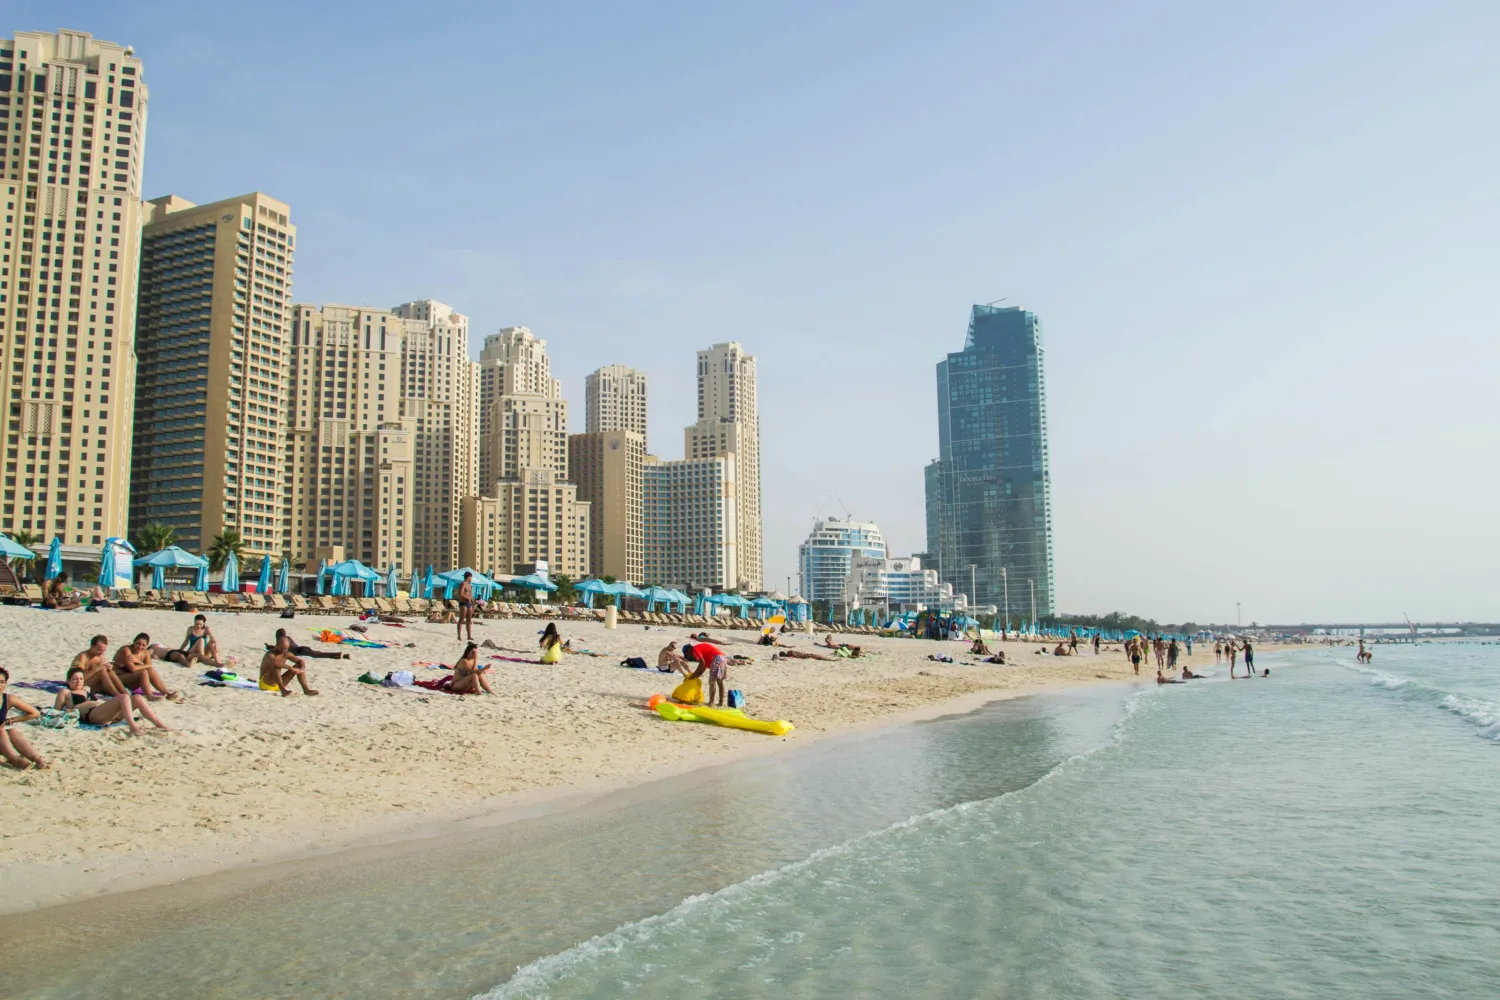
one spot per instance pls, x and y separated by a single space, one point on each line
1409 626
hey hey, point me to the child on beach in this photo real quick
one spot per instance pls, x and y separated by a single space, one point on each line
14 747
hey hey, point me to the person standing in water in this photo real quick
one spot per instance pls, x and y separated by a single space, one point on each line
1096 643
1218 651
1231 652
1249 659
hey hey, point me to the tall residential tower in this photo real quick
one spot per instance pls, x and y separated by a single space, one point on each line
728 424
991 484
70 182
212 340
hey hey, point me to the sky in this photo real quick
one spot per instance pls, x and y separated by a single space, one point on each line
1258 235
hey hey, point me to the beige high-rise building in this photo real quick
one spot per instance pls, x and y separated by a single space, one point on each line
615 400
350 455
535 518
212 342
512 362
440 397
691 523
728 424
70 181
608 469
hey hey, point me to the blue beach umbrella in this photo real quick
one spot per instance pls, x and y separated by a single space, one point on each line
10 550
200 579
54 559
284 577
107 567
263 585
391 583
322 568
231 581
427 584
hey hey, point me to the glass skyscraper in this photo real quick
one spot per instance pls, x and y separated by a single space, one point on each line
989 494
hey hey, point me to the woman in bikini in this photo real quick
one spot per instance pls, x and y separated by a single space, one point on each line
15 748
200 644
468 675
96 711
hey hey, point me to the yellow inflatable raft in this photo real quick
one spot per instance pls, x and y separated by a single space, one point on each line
732 718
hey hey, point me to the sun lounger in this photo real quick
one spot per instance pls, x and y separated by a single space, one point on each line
277 602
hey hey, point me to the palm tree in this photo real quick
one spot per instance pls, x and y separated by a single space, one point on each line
155 537
26 539
223 544
565 592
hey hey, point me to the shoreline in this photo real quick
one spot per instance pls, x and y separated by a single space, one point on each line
250 781
254 860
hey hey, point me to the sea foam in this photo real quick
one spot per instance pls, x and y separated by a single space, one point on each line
1477 711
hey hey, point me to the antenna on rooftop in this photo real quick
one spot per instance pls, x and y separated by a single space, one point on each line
998 301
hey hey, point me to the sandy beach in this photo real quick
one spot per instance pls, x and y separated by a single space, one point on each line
249 777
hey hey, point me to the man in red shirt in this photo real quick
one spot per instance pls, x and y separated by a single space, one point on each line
710 658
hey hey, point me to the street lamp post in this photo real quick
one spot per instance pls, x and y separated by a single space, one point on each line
1033 602
1005 579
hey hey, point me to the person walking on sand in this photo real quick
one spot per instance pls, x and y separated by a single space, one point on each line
466 607
95 711
1172 650
1073 642
468 675
134 670
1218 652
1096 643
1160 647
280 666
14 747
1133 648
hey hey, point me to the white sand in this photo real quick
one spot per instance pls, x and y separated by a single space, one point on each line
251 777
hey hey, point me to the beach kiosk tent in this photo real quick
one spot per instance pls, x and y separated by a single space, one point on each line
344 573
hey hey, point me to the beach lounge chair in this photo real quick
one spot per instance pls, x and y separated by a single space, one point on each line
402 605
298 602
277 602
324 604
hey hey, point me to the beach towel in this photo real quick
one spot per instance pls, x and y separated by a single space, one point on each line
335 636
52 687
511 659
223 678
443 684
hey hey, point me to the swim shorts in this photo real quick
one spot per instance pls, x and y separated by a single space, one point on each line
718 668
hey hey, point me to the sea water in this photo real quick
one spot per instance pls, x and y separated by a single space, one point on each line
1332 830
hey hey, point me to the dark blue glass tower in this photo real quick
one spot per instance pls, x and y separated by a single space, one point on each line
990 495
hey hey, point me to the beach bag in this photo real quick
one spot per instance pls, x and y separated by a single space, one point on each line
636 662
689 692
737 700
399 678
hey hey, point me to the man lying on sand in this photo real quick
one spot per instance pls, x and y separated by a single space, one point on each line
279 666
301 650
797 654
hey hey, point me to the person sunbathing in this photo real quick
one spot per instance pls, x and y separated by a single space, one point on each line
797 654
161 652
95 711
14 747
468 675
133 669
769 639
305 651
280 666
979 648
200 644
996 658
55 597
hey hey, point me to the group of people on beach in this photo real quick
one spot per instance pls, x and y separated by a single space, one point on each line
1231 650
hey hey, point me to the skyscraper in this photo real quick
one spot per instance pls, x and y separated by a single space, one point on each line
991 485
440 398
691 523
615 400
71 165
212 338
728 424
607 468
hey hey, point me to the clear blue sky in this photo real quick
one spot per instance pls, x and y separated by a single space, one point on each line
1262 238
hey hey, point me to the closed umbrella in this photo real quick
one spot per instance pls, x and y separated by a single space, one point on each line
427 584
263 585
391 583
54 559
231 582
322 568
107 567
284 577
200 580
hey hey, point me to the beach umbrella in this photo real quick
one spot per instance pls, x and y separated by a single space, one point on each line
391 583
54 559
427 584
200 579
263 585
231 581
284 577
10 550
107 567
322 568
158 578
589 588
338 585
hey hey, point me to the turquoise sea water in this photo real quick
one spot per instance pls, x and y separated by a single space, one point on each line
1329 831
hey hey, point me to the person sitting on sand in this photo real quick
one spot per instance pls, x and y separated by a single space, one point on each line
55 598
307 652
769 639
14 747
979 648
280 665
95 711
670 661
1061 650
200 643
133 669
797 654
551 644
1188 675
468 675
98 673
